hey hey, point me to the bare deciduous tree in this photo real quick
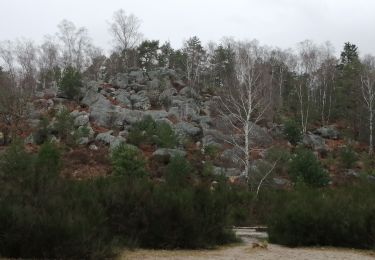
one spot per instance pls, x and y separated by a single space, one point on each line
326 76
243 104
7 55
13 104
26 53
75 44
48 60
305 66
125 30
368 93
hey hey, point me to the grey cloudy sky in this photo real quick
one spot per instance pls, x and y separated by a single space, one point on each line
280 23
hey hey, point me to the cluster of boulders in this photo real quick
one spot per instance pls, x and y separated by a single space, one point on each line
127 98
316 139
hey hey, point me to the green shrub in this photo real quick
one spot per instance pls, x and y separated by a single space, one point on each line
70 82
178 172
165 136
304 167
128 161
292 132
280 155
64 125
44 216
42 133
212 151
342 217
368 163
148 131
348 157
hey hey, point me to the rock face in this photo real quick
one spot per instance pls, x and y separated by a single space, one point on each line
232 157
123 97
165 154
129 97
185 129
259 136
109 139
81 120
315 142
228 172
329 132
140 101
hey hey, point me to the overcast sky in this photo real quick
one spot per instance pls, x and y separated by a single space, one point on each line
281 23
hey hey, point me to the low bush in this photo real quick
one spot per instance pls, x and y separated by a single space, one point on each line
292 132
64 125
348 157
45 216
343 217
148 131
305 168
128 160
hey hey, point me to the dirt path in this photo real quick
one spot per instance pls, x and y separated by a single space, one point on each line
246 251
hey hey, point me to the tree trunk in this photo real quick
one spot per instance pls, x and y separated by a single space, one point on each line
371 149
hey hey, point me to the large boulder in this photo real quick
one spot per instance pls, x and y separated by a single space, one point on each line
315 142
153 84
167 94
91 97
165 154
121 80
185 129
232 157
259 136
228 172
189 93
184 109
156 114
81 120
329 132
102 112
137 76
210 140
140 101
108 139
123 97
128 117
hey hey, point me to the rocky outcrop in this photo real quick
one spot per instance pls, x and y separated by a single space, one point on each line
187 130
108 139
227 172
328 132
164 154
315 142
140 101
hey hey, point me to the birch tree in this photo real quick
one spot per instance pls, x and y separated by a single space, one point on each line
7 56
243 104
305 67
48 61
75 45
368 94
326 76
26 54
125 30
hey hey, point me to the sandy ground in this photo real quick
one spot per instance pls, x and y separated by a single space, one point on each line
245 251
